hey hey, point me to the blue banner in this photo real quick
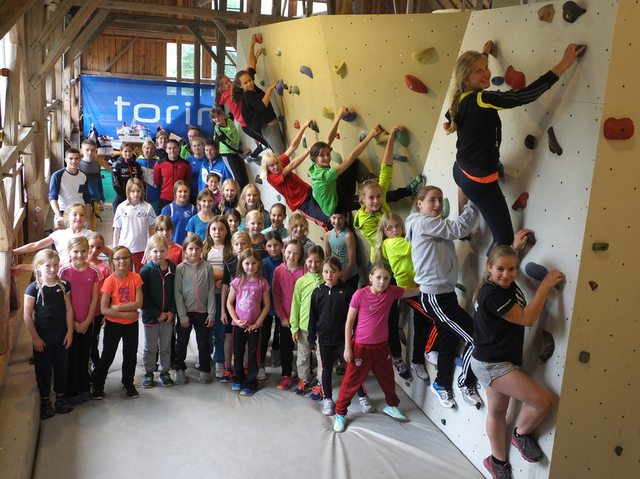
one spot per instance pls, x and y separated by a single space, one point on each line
110 102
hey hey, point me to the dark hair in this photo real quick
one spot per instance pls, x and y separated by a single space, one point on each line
272 235
213 174
279 205
171 140
124 144
192 239
315 249
333 261
236 89
89 141
212 142
217 110
380 265
317 148
218 93
73 151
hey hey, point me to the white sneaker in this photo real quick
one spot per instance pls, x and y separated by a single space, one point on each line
328 407
219 370
262 375
420 371
365 402
444 395
470 396
432 357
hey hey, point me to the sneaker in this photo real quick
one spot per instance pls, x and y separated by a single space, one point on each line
394 412
341 368
262 375
432 357
74 400
401 367
328 407
365 402
444 395
416 184
284 383
62 406
131 391
421 372
147 382
46 409
85 396
339 423
165 380
97 392
181 377
205 378
497 471
226 376
236 387
527 447
247 392
301 387
470 396
219 370
316 392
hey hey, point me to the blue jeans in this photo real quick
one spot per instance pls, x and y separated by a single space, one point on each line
217 333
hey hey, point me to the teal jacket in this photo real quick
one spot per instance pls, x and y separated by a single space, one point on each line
157 292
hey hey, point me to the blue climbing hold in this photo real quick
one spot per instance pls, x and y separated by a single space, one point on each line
306 71
352 115
400 158
497 81
281 87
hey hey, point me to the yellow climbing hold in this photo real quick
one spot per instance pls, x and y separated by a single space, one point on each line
382 138
327 113
424 56
340 70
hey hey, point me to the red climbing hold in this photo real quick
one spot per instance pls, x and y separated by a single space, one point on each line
618 128
521 202
296 125
593 285
514 78
337 136
258 37
415 84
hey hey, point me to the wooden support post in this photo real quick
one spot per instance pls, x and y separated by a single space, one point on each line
54 22
119 54
64 41
11 11
202 42
179 60
197 60
255 13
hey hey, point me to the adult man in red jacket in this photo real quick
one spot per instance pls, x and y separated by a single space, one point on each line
166 173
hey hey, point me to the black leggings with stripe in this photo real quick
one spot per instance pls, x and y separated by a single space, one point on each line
453 324
424 331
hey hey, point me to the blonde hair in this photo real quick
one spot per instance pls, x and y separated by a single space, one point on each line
94 235
148 143
227 251
381 235
233 183
241 234
242 202
130 184
423 192
39 259
298 219
463 68
69 209
268 159
252 214
494 255
366 186
77 240
198 139
157 240
113 253
192 239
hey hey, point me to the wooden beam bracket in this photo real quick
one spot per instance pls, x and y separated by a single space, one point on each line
9 154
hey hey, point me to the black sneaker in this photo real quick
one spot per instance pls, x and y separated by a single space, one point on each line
497 471
62 406
46 409
527 447
131 391
97 392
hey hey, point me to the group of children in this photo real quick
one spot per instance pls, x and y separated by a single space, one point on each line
230 270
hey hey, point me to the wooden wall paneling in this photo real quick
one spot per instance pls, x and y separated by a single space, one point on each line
130 65
98 24
206 65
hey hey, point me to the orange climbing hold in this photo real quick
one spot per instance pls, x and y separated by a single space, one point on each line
521 202
258 37
296 125
415 84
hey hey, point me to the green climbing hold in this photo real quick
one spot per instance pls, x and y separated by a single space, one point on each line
329 114
600 246
423 57
335 156
262 83
584 357
279 198
277 52
446 208
403 137
461 287
294 89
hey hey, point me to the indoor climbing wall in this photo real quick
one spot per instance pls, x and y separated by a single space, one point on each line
585 195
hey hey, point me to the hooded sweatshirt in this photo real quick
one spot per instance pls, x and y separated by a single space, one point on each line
328 314
194 290
157 291
432 249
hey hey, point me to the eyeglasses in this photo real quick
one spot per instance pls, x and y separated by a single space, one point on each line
122 258
393 227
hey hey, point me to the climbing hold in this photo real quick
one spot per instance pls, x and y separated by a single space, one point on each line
382 138
363 135
403 137
304 142
515 79
571 11
258 37
296 125
327 113
305 70
415 84
584 357
593 285
258 180
263 52
531 238
494 50
618 128
277 52
500 170
314 126
281 86
279 198
337 136
294 89
400 158
423 57
352 115
530 142
262 83
538 272
497 81
618 450
336 157
546 13
581 54
461 287
340 70
521 202
600 246
446 208
443 421
549 346
362 177
554 146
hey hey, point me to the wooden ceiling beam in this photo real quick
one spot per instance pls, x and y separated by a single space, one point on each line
194 31
173 35
72 30
146 19
231 38
54 21
98 24
11 11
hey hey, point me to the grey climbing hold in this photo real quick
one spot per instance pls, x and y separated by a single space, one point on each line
571 11
363 135
461 287
400 158
584 357
618 450
279 198
549 346
314 126
600 246
500 170
581 54
538 272
554 146
443 421
531 237
258 180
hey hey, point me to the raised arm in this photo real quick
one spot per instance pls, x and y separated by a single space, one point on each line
341 168
253 57
528 315
342 112
297 139
387 159
267 94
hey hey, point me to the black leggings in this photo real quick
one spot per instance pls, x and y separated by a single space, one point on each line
490 201
255 135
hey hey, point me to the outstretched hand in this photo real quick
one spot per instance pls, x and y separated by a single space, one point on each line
552 278
569 57
520 239
486 48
